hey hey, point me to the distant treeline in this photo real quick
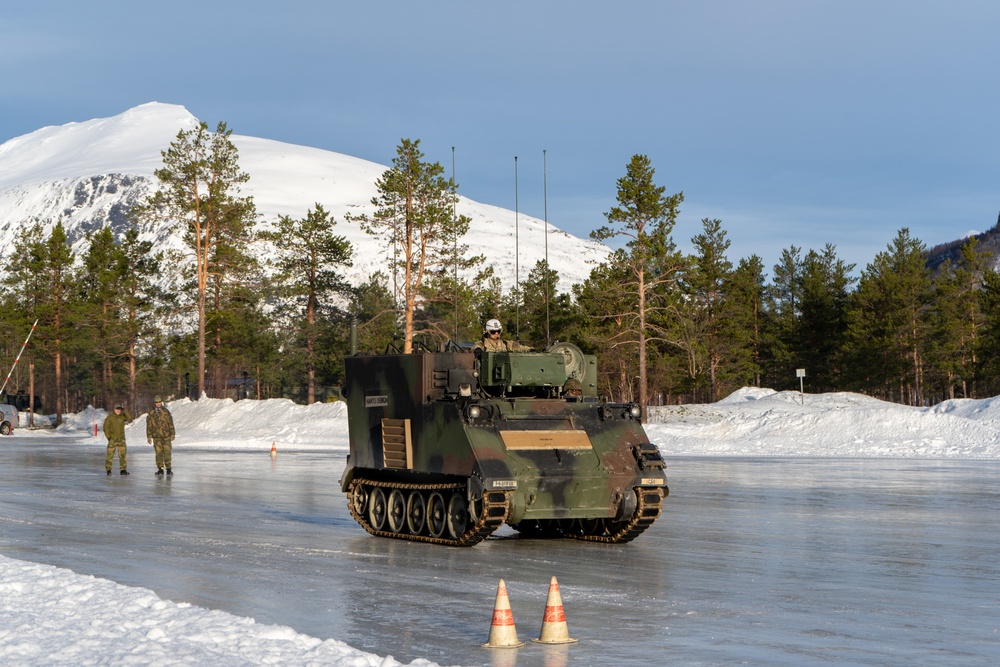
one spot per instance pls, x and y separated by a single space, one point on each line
123 321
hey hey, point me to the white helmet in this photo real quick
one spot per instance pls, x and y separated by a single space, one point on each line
492 325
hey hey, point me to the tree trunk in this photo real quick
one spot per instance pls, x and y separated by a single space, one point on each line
201 332
131 372
642 341
311 350
58 392
409 295
31 392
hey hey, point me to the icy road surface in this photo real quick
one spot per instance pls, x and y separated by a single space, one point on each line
762 561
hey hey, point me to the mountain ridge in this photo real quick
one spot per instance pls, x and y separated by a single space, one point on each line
988 241
89 174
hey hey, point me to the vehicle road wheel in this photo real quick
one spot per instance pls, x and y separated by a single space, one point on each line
359 498
548 528
476 509
436 515
376 509
527 527
5 428
592 526
396 511
566 526
458 515
615 527
416 513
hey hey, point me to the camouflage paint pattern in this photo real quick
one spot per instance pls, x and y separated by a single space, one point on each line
498 422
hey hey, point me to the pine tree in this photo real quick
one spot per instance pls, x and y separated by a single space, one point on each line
100 286
543 310
599 297
988 341
374 309
310 259
744 323
19 309
889 320
646 217
200 191
41 269
783 308
705 282
958 320
821 328
491 301
436 318
415 220
239 335
142 299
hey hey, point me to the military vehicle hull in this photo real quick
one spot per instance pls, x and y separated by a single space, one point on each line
447 447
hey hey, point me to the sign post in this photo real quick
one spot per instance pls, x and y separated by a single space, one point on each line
801 373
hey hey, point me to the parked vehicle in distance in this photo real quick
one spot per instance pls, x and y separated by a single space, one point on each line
9 419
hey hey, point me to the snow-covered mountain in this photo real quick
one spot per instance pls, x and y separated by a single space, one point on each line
90 174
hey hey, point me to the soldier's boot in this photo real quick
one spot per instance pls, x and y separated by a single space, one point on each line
169 471
108 471
123 472
159 471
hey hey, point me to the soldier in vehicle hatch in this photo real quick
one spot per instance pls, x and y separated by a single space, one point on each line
492 342
160 434
573 389
114 430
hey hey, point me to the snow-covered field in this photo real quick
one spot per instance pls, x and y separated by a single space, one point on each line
52 616
762 422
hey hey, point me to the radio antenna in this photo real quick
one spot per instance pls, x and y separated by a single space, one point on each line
454 215
517 268
545 209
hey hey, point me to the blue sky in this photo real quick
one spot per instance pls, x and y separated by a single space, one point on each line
793 122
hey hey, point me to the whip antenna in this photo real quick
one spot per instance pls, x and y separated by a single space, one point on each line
545 209
517 273
454 215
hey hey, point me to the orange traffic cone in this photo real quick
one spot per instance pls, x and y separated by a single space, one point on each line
554 629
502 632
274 452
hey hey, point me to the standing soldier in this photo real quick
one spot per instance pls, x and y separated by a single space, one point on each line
114 430
160 433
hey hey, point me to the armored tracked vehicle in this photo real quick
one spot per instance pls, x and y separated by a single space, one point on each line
445 447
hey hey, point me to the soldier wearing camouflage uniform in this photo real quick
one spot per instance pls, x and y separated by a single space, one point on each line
114 430
492 342
160 433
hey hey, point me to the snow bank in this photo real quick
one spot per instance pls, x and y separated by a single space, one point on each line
226 424
762 422
749 422
52 616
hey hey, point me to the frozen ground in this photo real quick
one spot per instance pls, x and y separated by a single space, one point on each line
50 615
